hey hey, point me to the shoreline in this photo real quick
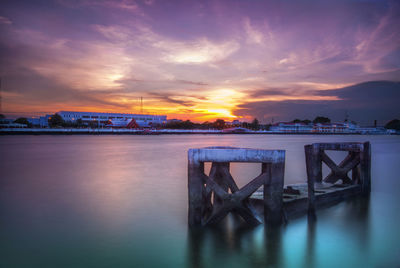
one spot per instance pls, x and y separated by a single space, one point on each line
41 131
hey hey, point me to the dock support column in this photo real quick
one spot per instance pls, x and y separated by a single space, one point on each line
314 173
273 192
365 168
196 190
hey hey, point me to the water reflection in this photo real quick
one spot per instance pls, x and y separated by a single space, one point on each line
232 237
121 201
265 245
358 216
273 246
310 246
353 219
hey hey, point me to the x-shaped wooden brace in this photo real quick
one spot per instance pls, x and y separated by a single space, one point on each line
237 201
340 171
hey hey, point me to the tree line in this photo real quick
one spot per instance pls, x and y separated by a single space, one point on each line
57 121
217 124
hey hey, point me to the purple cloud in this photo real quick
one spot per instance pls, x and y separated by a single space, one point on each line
256 49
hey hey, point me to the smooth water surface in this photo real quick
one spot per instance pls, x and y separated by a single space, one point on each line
121 201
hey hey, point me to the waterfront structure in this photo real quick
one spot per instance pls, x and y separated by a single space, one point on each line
213 196
334 127
112 119
9 123
236 130
233 123
287 127
327 128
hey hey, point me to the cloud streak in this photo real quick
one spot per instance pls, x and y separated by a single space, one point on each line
364 103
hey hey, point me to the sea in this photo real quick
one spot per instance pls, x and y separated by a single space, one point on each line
122 201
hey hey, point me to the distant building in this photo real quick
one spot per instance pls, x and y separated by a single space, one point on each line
114 119
233 123
44 121
236 130
345 128
9 123
286 127
334 127
35 122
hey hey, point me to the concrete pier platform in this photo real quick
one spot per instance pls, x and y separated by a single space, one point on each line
295 197
213 196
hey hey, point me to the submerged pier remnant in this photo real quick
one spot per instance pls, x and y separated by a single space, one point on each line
318 192
358 160
212 197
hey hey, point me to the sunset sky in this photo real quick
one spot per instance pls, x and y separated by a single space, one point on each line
203 60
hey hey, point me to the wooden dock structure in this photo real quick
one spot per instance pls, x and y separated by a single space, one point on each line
213 196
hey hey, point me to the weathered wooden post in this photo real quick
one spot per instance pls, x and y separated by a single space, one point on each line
203 209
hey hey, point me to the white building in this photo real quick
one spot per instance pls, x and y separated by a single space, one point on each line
335 128
115 119
331 128
285 127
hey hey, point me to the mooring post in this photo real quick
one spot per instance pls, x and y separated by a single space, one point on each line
365 168
195 189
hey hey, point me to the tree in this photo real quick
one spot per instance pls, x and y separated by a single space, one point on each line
206 125
255 124
22 120
321 119
394 124
246 125
181 125
219 124
188 124
79 122
93 124
56 120
305 121
267 126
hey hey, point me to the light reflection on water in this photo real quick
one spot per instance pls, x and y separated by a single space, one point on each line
121 201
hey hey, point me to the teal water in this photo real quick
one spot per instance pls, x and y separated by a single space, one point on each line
121 201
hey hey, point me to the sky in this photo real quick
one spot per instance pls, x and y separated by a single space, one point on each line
203 60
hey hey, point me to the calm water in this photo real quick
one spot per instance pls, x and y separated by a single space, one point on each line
121 201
